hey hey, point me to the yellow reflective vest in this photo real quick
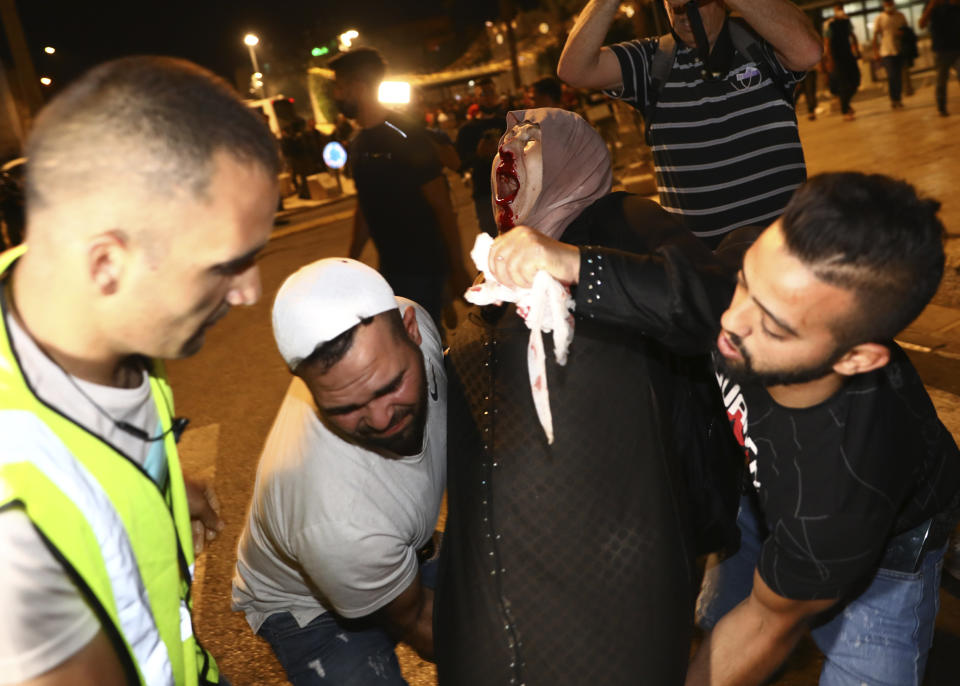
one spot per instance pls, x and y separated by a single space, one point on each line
123 541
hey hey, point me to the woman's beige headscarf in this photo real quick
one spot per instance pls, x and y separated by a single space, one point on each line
576 168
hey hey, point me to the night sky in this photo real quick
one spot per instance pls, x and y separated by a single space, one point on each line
208 32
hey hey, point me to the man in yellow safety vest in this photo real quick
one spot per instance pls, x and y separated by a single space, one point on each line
150 190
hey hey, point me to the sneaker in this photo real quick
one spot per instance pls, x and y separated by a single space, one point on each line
849 116
943 113
812 116
896 104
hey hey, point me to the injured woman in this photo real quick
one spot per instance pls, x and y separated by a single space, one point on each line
569 550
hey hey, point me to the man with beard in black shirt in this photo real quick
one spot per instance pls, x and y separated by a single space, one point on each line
855 480
403 202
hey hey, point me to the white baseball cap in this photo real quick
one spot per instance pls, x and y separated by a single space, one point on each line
323 299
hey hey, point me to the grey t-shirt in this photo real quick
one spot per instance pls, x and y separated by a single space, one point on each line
333 526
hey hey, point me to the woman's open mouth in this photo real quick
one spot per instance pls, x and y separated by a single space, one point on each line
508 185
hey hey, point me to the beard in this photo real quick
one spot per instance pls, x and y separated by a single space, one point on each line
742 372
406 442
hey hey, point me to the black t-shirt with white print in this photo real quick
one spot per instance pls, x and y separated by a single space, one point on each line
836 481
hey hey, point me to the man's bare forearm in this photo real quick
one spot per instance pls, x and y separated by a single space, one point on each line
580 62
409 618
785 27
753 639
741 651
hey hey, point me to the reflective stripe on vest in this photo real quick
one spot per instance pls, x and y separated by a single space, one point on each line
129 543
28 441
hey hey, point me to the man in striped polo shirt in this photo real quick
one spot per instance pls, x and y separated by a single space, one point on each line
717 103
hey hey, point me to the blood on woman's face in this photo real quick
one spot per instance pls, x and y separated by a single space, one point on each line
517 175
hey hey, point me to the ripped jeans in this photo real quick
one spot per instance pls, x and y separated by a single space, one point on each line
333 651
881 637
325 652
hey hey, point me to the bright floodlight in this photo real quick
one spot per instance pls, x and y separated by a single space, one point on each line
394 92
251 39
499 39
45 81
257 75
49 50
544 27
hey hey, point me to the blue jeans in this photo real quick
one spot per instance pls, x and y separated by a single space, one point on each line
329 652
881 637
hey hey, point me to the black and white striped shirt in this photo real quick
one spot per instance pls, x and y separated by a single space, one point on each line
727 151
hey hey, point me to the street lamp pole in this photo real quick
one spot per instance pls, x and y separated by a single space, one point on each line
251 40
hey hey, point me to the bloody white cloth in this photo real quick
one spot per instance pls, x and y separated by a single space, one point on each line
545 307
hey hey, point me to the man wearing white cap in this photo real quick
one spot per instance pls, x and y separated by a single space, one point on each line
349 483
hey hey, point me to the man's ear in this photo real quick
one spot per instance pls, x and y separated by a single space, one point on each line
107 256
411 325
862 358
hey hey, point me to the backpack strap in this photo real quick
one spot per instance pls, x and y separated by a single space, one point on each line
746 43
660 70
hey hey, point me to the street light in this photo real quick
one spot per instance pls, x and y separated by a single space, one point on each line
394 93
347 38
45 81
252 40
49 50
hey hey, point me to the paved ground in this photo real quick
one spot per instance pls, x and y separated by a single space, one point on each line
233 387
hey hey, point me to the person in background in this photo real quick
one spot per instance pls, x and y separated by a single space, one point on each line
943 17
403 203
841 55
717 97
477 146
809 89
887 30
548 92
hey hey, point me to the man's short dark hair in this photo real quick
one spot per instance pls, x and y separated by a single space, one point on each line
549 87
328 354
875 236
361 64
159 120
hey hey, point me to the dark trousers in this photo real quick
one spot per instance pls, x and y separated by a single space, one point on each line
845 91
945 60
424 289
809 89
893 64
